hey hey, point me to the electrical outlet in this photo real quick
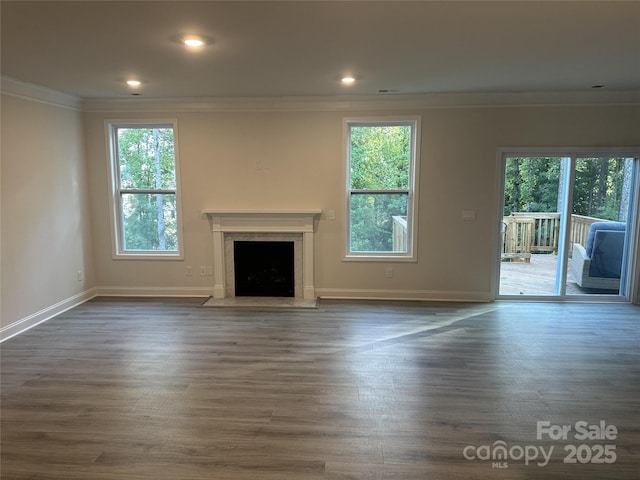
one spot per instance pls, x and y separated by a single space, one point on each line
80 275
189 271
389 272
262 164
203 271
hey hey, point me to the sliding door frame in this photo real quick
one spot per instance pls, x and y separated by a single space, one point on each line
632 243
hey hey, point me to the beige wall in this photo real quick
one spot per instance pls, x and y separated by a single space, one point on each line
45 209
304 152
55 217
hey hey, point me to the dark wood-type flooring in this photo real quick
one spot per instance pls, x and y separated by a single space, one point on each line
163 389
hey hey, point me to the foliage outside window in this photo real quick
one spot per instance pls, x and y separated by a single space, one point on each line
143 166
381 172
600 190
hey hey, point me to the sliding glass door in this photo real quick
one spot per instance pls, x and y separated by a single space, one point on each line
532 216
601 219
567 224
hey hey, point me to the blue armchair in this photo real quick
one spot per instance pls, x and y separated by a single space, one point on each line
599 263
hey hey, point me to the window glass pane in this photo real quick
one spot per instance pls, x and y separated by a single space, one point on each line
380 157
378 222
599 225
531 224
601 188
146 158
149 221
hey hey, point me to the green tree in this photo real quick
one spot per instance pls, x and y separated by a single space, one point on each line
380 157
379 160
148 182
598 187
532 184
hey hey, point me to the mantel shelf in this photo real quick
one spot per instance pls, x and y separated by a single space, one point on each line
262 213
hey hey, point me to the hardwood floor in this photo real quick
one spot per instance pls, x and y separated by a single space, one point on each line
162 389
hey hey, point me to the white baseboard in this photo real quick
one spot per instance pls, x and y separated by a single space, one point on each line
48 313
45 314
407 295
153 291
360 294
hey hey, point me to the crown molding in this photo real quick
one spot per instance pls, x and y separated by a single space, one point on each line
30 91
337 103
382 102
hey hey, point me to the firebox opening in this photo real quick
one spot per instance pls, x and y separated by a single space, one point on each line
264 269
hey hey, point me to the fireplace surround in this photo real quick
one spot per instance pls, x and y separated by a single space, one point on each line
228 226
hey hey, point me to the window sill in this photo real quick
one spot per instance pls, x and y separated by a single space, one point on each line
148 256
380 258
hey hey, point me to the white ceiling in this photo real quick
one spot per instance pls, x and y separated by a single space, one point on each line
301 48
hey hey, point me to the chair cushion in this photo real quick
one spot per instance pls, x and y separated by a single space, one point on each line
616 226
606 259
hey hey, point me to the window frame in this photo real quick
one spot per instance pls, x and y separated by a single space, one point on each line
116 192
413 122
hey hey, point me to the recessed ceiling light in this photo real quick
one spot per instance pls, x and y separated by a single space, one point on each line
347 80
133 83
193 41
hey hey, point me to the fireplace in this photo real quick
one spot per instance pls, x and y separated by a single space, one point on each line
256 226
264 269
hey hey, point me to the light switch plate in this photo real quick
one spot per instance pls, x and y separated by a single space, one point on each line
469 215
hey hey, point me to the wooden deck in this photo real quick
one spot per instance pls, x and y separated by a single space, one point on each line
537 277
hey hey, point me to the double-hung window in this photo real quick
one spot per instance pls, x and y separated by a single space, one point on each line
381 188
144 183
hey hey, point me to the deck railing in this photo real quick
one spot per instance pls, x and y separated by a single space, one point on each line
546 227
580 228
399 233
538 232
524 233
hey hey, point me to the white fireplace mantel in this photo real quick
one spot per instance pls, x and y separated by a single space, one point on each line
262 222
